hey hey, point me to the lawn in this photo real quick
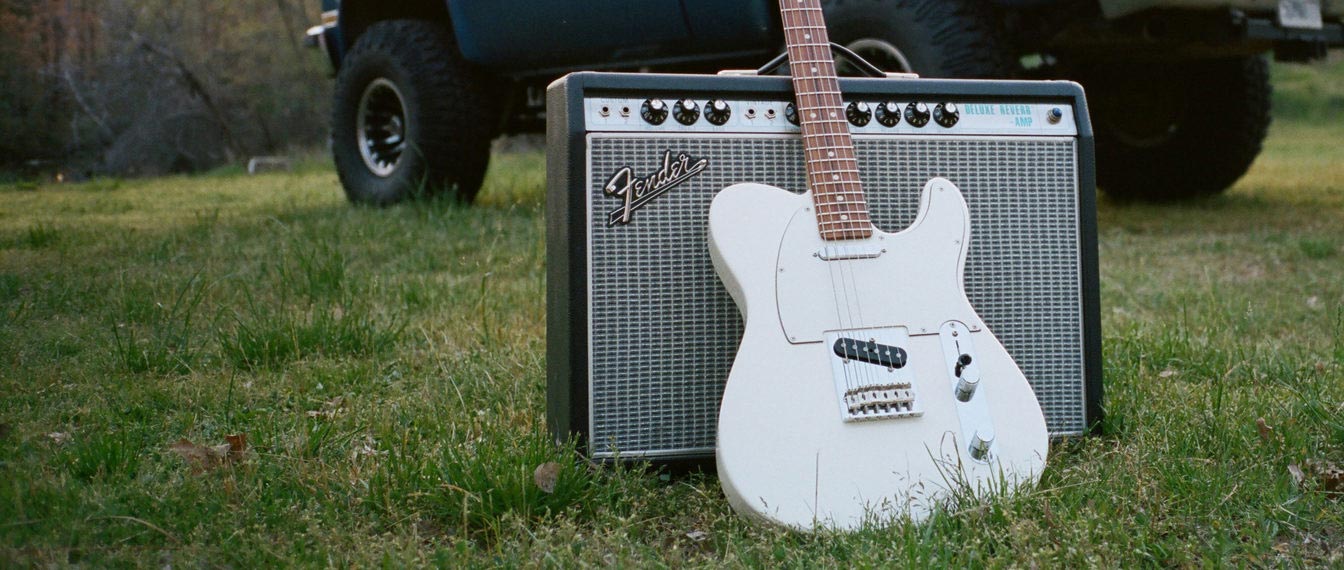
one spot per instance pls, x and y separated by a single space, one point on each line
385 371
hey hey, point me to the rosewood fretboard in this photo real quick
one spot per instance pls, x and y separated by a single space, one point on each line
832 171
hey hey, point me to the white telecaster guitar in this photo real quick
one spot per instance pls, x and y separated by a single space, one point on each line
866 388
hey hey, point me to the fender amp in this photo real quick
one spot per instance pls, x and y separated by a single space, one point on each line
640 332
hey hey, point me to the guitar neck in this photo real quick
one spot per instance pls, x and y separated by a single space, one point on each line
832 169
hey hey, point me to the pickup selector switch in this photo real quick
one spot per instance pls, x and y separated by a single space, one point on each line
686 111
889 113
946 114
653 111
717 111
858 113
917 114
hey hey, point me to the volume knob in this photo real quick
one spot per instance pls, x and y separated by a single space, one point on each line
686 111
889 113
653 111
858 113
718 111
917 114
791 113
946 114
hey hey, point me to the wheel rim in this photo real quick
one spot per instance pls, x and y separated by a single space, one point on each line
380 127
881 53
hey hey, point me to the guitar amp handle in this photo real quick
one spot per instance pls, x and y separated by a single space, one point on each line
863 65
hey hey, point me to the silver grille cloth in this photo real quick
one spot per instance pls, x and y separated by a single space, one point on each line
664 331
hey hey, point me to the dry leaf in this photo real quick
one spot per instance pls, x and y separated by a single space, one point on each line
1298 475
59 437
200 457
329 408
1329 477
1166 373
697 535
546 475
1266 432
237 446
368 448
204 458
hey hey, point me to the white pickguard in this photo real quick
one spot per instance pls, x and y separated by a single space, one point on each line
788 450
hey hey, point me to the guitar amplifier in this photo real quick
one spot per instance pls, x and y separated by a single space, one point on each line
640 332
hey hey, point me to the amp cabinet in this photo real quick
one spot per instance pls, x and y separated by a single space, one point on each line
640 332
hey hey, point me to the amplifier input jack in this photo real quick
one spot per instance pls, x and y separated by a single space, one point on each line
770 114
751 113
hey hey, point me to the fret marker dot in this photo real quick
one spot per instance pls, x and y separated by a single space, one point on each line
814 70
835 177
839 198
814 115
807 36
832 114
831 154
844 216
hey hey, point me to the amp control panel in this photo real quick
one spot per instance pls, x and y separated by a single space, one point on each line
911 116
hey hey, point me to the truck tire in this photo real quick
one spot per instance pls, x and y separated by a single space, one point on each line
1169 132
934 38
410 117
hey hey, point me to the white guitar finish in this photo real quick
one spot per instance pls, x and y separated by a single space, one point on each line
788 452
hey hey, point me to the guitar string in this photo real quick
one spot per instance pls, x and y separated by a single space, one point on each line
813 175
865 374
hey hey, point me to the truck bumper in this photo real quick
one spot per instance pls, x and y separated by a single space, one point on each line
1330 9
326 37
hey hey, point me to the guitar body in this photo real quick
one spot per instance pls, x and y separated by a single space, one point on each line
843 405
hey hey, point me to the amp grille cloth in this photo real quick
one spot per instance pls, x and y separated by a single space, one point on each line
664 331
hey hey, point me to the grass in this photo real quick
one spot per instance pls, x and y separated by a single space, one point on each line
386 367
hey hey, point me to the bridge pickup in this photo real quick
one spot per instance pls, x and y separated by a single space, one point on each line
870 352
883 391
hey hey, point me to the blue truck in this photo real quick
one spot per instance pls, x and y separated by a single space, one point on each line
1179 89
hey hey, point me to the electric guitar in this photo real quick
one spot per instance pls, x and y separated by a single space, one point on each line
866 388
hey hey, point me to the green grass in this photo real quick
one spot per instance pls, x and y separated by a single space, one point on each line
387 368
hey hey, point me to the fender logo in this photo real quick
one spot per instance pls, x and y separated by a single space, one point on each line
635 192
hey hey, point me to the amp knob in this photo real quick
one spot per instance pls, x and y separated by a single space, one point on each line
946 114
717 111
858 113
889 113
917 114
654 111
791 113
686 111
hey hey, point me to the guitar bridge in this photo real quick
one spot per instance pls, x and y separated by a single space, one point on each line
872 381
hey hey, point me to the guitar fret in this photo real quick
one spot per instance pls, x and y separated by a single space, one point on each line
832 167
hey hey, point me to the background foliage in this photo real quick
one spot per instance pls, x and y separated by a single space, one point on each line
116 84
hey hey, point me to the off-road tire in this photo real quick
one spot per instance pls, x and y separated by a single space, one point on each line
450 115
939 38
1206 122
